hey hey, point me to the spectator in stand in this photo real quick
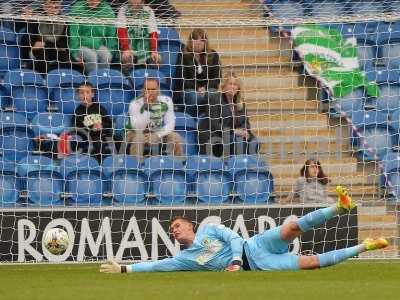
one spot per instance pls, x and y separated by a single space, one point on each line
138 43
48 40
92 122
226 115
92 45
198 74
311 186
152 121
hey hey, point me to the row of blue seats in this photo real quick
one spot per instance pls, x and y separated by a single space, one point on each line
122 180
17 132
294 9
26 91
388 101
390 175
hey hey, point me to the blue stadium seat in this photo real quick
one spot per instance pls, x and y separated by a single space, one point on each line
372 135
113 90
15 137
169 36
367 7
186 126
327 9
389 87
127 182
54 123
167 179
9 51
390 174
119 124
27 90
169 55
44 184
211 182
63 84
390 54
138 77
83 180
350 102
252 180
10 184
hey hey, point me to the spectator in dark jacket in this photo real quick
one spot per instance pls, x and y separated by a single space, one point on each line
197 75
48 43
226 122
92 122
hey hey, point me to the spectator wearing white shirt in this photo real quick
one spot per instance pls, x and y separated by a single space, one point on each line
152 121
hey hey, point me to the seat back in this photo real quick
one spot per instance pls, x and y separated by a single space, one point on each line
15 136
50 123
10 184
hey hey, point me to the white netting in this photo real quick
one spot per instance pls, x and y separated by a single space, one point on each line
309 92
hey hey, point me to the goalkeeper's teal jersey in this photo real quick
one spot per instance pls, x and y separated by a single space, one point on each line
214 248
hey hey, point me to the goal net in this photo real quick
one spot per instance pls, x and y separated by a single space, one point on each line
116 117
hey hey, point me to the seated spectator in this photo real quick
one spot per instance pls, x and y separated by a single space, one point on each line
226 122
48 40
152 121
198 74
138 43
92 45
311 187
92 122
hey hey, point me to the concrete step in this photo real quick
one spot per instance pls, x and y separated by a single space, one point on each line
228 33
354 183
237 59
273 81
298 120
283 106
290 132
285 170
288 93
289 149
356 190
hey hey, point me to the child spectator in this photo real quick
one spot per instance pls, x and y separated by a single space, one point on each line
226 115
198 73
138 43
92 45
92 122
311 186
152 121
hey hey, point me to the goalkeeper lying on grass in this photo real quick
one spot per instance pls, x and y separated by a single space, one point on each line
217 248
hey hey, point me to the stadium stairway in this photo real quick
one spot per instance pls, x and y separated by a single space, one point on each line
284 110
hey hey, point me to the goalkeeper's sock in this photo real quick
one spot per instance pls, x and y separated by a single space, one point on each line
317 218
336 256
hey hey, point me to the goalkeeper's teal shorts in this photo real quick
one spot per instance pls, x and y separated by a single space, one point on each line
267 251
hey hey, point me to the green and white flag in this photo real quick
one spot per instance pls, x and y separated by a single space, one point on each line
331 59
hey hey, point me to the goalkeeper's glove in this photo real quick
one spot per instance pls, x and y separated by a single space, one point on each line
234 266
112 267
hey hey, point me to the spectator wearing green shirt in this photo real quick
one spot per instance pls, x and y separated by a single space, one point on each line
92 45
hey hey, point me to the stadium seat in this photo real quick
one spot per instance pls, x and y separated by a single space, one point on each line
372 135
126 180
350 102
252 181
390 173
63 84
83 180
169 55
138 77
27 90
326 9
15 137
211 182
186 126
9 51
113 90
50 123
44 184
167 179
169 36
10 184
119 124
286 10
389 88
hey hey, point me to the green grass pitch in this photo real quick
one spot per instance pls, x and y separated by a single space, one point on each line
366 280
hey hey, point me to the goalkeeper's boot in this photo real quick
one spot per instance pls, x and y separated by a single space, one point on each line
375 244
344 203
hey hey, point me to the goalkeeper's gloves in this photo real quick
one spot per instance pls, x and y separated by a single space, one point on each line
235 265
112 267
